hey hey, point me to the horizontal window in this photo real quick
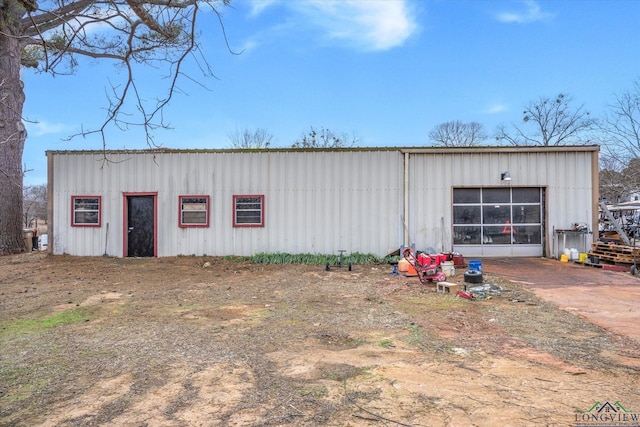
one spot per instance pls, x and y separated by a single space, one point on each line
467 235
496 195
248 211
466 195
523 214
496 214
526 195
194 211
86 211
466 214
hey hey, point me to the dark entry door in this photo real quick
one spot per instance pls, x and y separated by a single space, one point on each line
140 226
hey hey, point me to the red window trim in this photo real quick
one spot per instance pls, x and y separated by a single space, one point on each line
194 196
73 211
261 224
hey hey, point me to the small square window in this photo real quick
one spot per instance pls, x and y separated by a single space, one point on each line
194 211
248 211
86 211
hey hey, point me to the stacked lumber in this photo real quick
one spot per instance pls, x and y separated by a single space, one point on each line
614 254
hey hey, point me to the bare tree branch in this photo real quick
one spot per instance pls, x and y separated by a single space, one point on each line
51 35
458 134
246 139
34 203
325 138
554 121
132 32
620 126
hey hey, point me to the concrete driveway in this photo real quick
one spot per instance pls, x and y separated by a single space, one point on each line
608 299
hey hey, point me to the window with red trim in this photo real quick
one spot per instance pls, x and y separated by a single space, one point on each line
194 211
248 211
86 211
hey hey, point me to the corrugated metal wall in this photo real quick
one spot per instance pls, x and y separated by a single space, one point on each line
315 201
565 175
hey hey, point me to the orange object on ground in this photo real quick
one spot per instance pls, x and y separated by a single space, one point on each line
411 271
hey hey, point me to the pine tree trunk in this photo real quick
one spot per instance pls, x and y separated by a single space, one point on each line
12 132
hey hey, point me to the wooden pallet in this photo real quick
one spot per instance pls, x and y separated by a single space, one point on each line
614 254
609 267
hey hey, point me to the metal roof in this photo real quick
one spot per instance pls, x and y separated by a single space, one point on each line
410 150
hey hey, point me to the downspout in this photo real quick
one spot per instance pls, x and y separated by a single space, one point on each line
595 191
50 195
406 200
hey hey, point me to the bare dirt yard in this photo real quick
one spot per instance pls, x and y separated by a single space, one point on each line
201 341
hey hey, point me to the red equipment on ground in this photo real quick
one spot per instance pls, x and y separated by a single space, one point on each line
427 270
465 295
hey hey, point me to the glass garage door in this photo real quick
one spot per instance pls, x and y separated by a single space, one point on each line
498 221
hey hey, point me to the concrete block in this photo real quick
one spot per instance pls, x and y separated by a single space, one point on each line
447 287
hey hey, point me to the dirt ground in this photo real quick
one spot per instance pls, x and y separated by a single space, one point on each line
195 341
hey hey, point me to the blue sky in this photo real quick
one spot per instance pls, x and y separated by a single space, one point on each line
387 71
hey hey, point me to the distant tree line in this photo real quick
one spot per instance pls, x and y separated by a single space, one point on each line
313 138
34 204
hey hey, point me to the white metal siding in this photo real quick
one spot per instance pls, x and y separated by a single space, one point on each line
566 176
315 202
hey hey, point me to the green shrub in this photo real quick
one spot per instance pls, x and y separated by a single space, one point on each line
313 259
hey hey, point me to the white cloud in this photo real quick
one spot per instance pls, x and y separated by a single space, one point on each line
366 25
247 46
495 108
370 25
42 128
258 6
532 13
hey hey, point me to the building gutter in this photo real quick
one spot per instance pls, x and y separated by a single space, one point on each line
501 149
50 217
405 214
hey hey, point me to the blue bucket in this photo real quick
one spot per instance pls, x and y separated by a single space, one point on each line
475 264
